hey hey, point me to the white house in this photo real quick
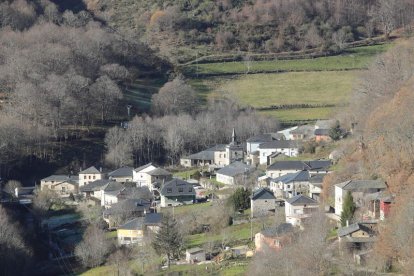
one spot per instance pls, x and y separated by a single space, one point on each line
151 176
195 255
280 168
286 147
89 175
262 202
94 189
252 144
110 194
359 190
299 208
315 185
229 174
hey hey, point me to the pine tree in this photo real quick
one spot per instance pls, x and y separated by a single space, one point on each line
168 240
348 209
336 132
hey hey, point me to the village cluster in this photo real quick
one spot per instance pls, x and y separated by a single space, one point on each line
142 193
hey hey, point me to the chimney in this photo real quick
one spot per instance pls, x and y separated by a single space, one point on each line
100 169
347 223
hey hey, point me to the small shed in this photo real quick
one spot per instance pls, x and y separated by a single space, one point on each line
240 250
195 255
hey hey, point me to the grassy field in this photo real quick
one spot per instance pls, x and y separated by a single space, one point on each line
355 58
139 93
298 114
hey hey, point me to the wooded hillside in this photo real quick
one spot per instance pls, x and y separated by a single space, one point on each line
190 28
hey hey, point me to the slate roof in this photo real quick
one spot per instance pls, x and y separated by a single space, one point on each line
325 124
263 193
61 178
207 154
317 178
153 219
293 177
234 169
159 172
142 167
305 130
280 144
121 172
301 200
344 231
129 205
267 137
113 186
135 224
90 170
277 231
95 185
175 185
354 185
314 165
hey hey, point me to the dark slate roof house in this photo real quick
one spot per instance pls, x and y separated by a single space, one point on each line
177 187
315 165
235 169
280 144
301 176
300 200
355 185
263 193
121 172
90 170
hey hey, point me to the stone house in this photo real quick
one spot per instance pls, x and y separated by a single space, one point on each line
177 192
262 202
291 184
122 175
62 185
126 210
195 255
135 230
151 176
273 238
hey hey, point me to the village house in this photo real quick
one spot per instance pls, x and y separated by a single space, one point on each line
262 202
315 185
177 192
287 132
299 208
122 175
362 192
134 231
110 194
252 144
195 255
126 210
89 175
151 176
291 184
273 238
219 155
62 185
287 147
95 189
305 132
233 172
322 135
358 236
280 168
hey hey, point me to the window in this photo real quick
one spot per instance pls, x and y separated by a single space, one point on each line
190 190
288 186
84 177
89 177
180 190
63 189
93 177
219 155
224 155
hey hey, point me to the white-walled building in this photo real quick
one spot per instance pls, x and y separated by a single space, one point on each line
150 175
229 174
280 168
299 208
89 175
287 147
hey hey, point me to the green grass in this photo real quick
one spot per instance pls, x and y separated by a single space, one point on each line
186 174
263 90
99 271
185 209
299 114
355 58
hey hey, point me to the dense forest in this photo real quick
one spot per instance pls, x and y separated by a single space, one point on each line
185 29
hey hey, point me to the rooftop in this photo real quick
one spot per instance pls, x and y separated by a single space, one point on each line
235 168
121 172
177 187
96 185
293 177
277 231
159 172
280 144
263 193
194 250
355 185
90 170
135 224
301 200
313 165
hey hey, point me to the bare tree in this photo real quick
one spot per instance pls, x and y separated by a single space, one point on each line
94 247
11 186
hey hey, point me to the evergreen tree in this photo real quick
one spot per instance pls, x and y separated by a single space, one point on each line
240 200
336 132
348 209
168 240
